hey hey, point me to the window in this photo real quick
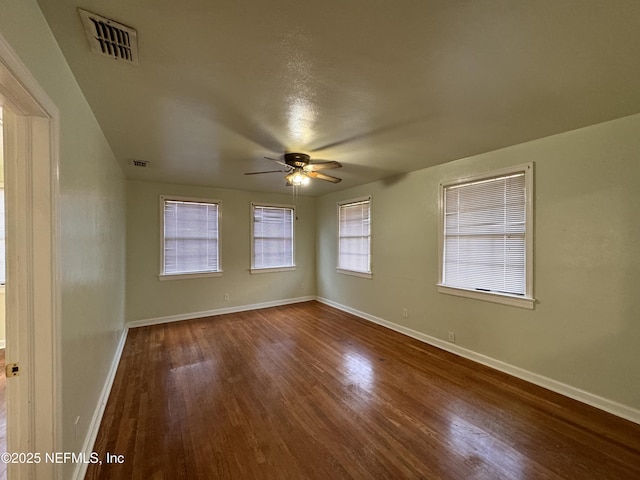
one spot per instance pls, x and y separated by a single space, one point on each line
486 236
190 237
272 238
354 237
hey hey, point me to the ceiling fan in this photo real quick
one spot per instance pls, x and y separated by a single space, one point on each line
300 168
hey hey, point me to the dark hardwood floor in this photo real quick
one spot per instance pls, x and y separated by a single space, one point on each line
306 391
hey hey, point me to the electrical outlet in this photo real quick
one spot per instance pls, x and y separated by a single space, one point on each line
452 337
226 297
405 313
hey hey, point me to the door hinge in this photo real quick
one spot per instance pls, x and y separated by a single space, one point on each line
12 370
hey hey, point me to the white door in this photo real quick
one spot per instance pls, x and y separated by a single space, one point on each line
30 155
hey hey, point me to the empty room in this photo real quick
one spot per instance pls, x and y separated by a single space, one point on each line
320 240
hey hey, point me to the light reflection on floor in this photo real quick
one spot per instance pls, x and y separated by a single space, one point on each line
488 455
359 371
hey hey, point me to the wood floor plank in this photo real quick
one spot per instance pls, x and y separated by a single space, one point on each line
308 392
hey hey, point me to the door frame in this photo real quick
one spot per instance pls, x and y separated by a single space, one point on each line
31 127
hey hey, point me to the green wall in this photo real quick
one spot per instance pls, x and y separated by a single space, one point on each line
150 298
585 329
92 225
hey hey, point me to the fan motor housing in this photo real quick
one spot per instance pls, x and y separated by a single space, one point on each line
296 159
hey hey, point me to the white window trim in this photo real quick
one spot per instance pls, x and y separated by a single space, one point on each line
291 268
355 273
183 276
255 271
527 301
163 277
344 271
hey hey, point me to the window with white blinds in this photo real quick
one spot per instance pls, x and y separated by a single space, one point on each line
354 236
486 232
190 236
272 237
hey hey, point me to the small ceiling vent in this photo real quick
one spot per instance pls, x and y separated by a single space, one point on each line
139 163
110 38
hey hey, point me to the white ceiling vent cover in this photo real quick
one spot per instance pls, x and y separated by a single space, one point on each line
110 38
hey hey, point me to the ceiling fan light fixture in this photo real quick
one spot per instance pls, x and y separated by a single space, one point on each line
297 177
301 169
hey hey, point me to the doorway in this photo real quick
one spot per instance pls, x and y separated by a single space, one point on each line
3 416
30 132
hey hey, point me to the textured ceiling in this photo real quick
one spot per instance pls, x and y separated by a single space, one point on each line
384 87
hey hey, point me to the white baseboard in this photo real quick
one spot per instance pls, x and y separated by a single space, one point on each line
3 344
610 406
90 440
583 396
219 311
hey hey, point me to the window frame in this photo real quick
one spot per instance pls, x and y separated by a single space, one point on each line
523 301
345 271
188 275
252 268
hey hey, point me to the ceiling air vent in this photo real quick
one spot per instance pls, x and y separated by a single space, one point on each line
110 38
139 163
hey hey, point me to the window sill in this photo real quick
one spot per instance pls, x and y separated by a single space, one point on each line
505 299
353 273
271 270
185 276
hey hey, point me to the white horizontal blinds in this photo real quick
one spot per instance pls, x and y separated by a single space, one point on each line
272 237
484 235
355 237
190 237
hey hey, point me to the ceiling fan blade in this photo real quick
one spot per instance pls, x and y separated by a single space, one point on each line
322 176
314 167
268 171
278 161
